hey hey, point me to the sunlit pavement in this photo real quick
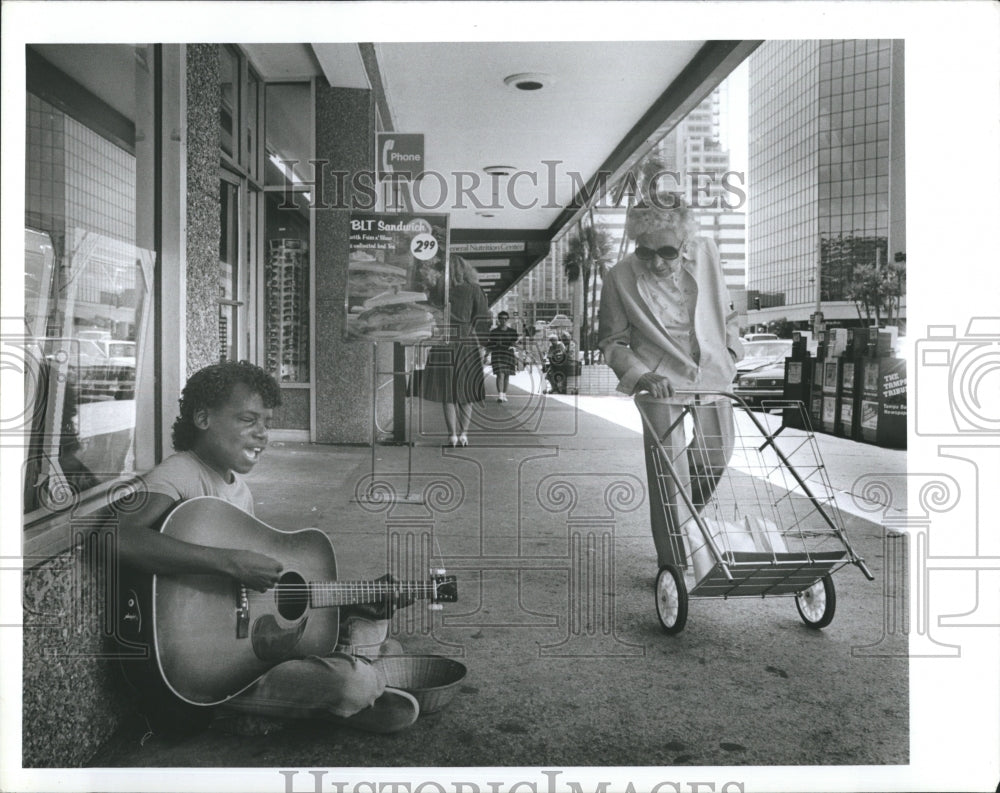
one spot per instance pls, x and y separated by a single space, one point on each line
850 465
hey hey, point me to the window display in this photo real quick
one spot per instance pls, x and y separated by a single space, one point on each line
287 310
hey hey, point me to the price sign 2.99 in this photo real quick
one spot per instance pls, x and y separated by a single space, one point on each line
423 246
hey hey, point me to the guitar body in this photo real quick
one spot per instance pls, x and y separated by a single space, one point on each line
212 638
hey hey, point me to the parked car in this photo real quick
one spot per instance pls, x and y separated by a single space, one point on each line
764 384
106 369
119 353
760 376
761 353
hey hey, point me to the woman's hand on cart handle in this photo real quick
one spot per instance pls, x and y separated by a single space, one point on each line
657 385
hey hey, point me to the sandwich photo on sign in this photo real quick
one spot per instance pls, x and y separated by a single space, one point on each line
388 261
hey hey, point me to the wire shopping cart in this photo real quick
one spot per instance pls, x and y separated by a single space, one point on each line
764 524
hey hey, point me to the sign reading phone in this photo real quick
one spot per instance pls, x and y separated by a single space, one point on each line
400 156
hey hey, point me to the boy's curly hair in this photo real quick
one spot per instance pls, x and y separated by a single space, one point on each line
211 387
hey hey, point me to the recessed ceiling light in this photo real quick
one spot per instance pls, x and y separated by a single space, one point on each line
499 170
528 81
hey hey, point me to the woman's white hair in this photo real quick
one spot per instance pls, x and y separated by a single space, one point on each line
668 212
656 209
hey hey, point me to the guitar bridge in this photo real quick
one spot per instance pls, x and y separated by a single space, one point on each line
242 613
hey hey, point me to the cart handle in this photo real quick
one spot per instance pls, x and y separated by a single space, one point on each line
696 392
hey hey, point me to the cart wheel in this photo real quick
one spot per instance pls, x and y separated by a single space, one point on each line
817 604
671 599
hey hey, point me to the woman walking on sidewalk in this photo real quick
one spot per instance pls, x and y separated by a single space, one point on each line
502 340
454 372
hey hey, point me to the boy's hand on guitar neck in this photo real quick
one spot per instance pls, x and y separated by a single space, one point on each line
384 609
254 570
399 601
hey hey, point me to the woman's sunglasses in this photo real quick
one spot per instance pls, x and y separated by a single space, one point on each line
667 253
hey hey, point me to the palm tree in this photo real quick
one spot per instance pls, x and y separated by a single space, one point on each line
589 252
576 266
600 255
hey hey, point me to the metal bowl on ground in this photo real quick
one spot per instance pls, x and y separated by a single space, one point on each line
431 679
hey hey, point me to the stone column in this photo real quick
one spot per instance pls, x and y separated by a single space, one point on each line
345 136
203 222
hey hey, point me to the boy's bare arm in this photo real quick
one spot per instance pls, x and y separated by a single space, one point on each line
149 551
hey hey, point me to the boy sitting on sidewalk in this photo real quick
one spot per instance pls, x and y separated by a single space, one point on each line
225 410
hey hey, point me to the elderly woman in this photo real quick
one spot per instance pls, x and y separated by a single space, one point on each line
665 324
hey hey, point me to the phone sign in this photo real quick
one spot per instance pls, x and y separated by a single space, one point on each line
401 155
423 247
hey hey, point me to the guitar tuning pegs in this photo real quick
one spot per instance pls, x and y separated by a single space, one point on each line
435 607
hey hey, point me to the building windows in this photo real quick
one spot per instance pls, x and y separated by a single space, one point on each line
231 317
286 289
89 262
229 104
264 247
818 162
287 265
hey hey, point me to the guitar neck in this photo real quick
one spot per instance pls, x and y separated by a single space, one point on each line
326 594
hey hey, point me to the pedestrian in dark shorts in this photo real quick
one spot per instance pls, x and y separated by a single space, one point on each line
502 340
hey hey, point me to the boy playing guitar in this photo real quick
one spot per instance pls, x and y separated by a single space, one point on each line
225 410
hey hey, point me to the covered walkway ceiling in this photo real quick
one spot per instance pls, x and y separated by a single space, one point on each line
517 134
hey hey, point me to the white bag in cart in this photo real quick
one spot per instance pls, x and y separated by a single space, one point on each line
767 536
728 535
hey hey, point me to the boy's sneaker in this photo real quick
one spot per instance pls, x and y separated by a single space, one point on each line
393 711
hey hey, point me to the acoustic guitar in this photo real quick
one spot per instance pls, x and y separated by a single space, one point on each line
212 637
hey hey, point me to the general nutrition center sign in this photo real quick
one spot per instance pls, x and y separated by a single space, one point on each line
401 155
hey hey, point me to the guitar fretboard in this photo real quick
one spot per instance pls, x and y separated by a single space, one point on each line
324 594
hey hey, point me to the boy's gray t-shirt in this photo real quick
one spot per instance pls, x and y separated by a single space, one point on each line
183 475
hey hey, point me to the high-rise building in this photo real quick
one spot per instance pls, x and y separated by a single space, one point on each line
825 123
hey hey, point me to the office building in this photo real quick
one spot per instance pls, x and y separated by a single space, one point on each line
825 123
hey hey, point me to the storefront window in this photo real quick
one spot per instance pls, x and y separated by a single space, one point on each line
229 107
252 133
288 123
286 289
229 272
88 268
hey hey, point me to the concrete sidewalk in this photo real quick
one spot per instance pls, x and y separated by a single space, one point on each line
543 519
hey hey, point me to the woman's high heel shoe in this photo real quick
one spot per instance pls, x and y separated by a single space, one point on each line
463 440
453 440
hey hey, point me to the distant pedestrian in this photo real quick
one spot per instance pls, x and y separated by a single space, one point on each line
571 372
502 341
555 359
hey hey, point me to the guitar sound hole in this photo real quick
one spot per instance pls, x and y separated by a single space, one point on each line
292 596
